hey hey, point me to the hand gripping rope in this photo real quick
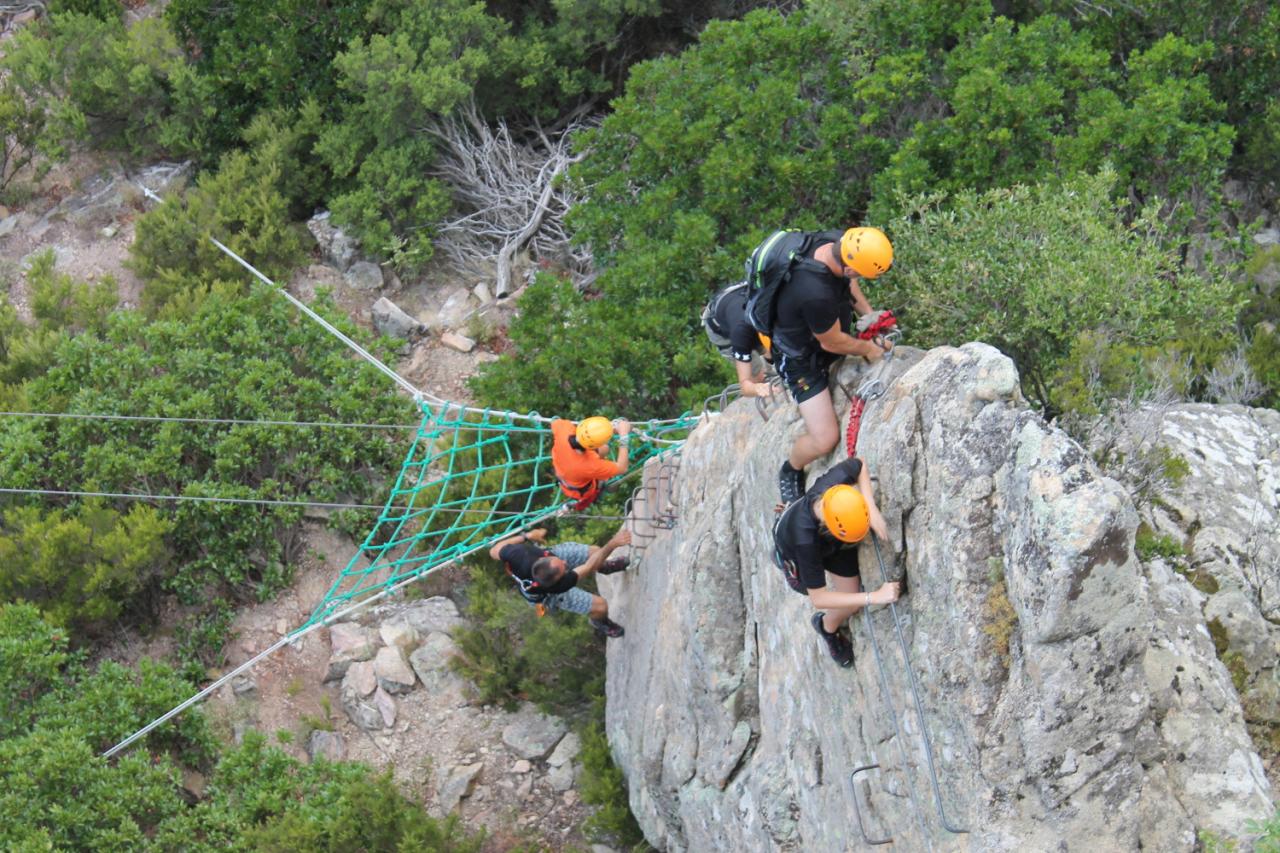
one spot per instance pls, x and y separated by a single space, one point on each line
893 716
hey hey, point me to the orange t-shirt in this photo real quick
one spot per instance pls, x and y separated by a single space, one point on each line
578 468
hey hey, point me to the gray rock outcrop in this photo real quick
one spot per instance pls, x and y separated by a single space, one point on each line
390 319
1072 694
337 247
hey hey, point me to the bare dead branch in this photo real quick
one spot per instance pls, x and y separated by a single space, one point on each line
508 197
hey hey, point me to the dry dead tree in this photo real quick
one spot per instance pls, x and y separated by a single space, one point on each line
11 10
508 194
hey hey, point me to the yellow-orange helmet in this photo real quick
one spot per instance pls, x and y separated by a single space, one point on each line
867 251
595 432
844 511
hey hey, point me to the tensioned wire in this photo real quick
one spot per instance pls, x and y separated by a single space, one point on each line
85 416
266 502
411 525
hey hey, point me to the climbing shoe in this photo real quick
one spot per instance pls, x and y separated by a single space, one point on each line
614 564
790 483
840 648
607 627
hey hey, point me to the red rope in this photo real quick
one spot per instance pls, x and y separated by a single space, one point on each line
855 422
882 325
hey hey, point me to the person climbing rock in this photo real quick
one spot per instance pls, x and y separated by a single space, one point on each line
812 332
575 457
725 321
818 536
548 577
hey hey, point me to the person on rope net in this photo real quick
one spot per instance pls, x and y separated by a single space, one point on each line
817 536
804 292
576 459
725 321
548 577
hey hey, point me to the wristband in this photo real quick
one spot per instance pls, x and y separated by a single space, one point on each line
624 440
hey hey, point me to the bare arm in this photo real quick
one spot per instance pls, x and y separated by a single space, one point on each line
536 535
841 342
860 302
825 598
751 386
624 429
596 560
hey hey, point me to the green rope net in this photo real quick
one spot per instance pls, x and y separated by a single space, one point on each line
469 479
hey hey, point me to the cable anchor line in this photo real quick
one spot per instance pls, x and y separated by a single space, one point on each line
914 684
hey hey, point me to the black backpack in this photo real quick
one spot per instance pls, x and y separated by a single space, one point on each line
769 268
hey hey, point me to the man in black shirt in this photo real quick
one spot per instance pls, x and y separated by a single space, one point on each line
548 577
817 536
725 321
812 331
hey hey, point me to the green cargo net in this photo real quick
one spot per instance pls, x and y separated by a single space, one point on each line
470 478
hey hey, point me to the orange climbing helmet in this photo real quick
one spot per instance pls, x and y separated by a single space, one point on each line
595 432
844 511
867 251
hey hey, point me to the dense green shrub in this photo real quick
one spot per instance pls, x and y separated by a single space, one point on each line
1027 269
264 55
1240 39
81 567
104 9
22 139
243 207
57 792
125 89
249 358
509 653
603 786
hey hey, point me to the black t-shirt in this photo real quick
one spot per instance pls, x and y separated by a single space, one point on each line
809 303
520 557
730 320
803 542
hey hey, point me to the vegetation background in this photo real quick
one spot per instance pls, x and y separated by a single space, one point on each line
1072 182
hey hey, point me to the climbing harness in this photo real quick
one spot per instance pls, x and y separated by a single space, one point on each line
893 715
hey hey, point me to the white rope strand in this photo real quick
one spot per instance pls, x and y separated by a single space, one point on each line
290 638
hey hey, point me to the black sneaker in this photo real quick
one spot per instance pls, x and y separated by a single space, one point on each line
614 564
840 647
607 627
790 483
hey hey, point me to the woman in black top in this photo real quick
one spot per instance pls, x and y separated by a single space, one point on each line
818 535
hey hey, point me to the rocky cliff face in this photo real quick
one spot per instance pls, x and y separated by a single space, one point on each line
1072 696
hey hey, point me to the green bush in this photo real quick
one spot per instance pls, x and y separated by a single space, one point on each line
240 205
106 10
509 653
603 786
81 567
1029 268
124 89
22 139
57 792
264 56
247 358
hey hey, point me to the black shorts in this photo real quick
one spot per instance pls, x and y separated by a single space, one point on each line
843 563
805 377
